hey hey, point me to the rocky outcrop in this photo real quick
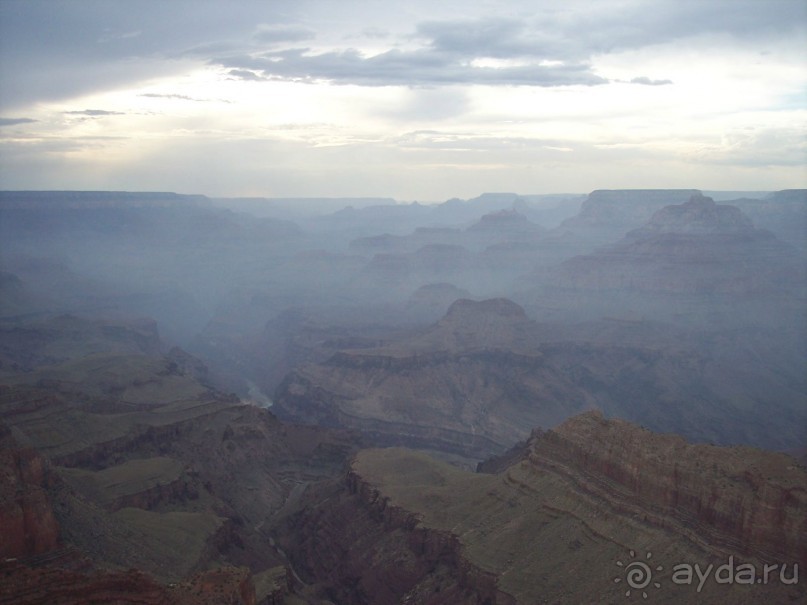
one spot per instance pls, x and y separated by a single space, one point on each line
700 215
27 523
622 209
24 585
435 547
484 375
460 402
782 212
189 480
736 499
697 247
362 549
188 365
404 527
506 225
223 585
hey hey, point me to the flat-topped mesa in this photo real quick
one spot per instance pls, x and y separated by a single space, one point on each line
699 215
737 498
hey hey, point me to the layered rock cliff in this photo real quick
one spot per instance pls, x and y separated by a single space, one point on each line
130 462
606 212
697 247
482 377
27 521
738 499
557 522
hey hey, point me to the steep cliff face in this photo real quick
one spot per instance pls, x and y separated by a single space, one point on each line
453 387
39 567
556 522
476 403
483 376
698 247
743 500
27 523
148 469
698 215
359 548
782 212
623 209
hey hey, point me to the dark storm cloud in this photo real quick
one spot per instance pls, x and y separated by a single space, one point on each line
15 121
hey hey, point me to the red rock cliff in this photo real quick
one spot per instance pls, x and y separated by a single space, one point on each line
739 498
27 524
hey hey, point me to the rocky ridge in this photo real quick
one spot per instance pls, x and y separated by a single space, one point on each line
738 499
589 494
698 247
117 461
479 379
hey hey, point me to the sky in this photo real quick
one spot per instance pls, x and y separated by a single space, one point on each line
413 100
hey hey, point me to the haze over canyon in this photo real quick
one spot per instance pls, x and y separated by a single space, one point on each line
505 399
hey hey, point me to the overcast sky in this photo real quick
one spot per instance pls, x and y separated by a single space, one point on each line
414 100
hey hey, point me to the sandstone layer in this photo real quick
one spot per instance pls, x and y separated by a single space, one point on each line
558 522
482 377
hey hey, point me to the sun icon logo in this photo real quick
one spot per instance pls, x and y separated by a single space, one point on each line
638 574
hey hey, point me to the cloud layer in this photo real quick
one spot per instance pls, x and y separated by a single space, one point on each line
307 96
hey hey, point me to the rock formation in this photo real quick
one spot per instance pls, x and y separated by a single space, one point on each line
697 247
739 499
129 462
608 213
27 521
484 375
506 225
557 522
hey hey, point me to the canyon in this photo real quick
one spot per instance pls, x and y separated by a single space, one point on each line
508 399
485 374
552 521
